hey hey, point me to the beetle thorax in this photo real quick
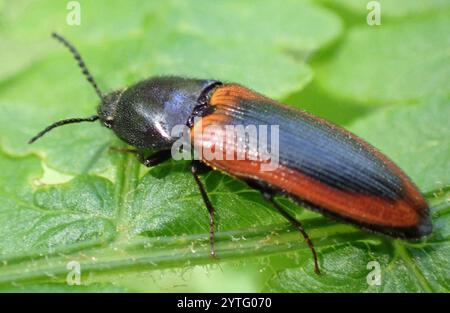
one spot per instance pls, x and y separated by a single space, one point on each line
146 114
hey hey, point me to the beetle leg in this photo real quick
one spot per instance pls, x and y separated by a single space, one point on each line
124 150
154 159
294 222
209 206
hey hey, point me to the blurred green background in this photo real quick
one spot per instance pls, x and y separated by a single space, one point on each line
68 200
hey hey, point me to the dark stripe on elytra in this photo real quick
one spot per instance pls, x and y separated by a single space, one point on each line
320 163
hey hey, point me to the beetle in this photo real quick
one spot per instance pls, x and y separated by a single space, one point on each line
321 165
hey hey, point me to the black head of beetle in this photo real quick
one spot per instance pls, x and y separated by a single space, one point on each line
144 114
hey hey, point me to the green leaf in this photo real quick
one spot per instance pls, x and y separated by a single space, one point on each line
46 288
422 133
392 63
396 8
49 217
168 37
68 197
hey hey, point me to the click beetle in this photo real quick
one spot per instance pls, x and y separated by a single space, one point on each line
321 165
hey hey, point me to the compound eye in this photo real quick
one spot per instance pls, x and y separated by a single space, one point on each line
108 122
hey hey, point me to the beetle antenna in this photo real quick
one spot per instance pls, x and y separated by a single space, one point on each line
80 61
61 123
